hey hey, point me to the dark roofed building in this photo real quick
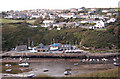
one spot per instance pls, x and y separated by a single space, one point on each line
21 48
41 45
66 47
42 48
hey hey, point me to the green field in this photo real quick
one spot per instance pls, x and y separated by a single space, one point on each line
14 21
101 29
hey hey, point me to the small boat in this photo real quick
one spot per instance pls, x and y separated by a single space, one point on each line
50 52
6 74
67 73
94 60
8 65
90 60
24 64
75 64
67 69
31 75
116 64
8 70
98 60
45 70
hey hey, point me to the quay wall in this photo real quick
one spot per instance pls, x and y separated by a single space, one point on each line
62 55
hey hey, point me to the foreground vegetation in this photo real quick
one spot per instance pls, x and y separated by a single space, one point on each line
13 35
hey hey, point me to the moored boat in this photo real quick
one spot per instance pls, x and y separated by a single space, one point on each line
24 64
67 73
31 75
116 64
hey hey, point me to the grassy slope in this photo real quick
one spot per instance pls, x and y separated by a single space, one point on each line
14 21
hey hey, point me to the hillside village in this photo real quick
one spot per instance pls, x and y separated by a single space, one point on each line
92 18
53 39
85 28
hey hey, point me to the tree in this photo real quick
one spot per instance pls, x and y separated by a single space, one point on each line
96 18
24 23
83 8
110 28
117 30
38 21
92 24
55 27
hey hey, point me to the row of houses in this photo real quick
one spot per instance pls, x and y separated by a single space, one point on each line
82 16
65 16
42 48
55 13
98 23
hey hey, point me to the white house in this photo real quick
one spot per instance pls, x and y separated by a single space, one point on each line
93 9
91 27
81 13
48 23
55 25
34 16
67 16
99 24
80 9
111 20
83 21
9 17
62 23
58 28
105 11
52 16
109 14
34 26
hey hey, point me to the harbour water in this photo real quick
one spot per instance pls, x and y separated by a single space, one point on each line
56 67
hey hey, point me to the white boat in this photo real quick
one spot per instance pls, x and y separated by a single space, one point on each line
31 75
67 73
116 64
8 70
75 64
24 64
8 65
53 48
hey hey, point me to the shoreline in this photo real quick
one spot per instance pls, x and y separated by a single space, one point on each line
60 55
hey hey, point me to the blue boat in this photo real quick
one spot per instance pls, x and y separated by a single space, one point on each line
75 64
31 75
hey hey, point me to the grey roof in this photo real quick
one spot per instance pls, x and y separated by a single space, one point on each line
41 45
21 48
